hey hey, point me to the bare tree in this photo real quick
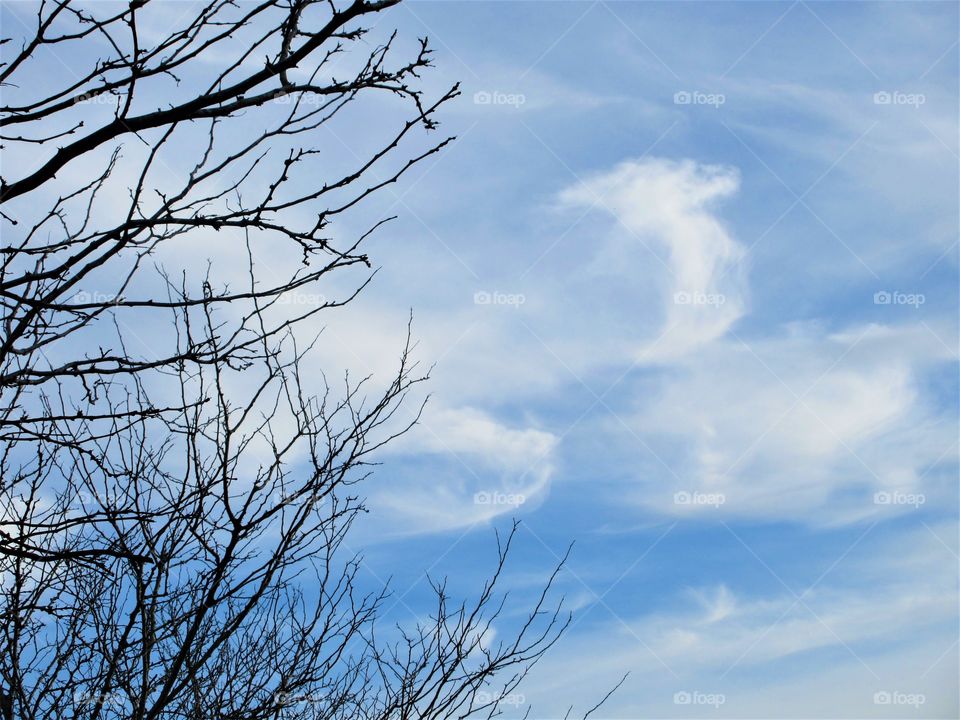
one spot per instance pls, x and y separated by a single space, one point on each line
174 510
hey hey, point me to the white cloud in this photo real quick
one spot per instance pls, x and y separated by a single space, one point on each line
796 423
669 206
805 425
724 417
468 430
464 467
878 614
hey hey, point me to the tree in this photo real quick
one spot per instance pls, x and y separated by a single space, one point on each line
175 507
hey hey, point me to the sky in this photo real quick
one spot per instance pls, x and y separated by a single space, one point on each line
688 281
689 278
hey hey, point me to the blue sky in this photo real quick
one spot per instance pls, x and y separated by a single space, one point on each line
683 297
688 278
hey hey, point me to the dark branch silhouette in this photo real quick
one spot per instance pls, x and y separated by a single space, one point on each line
172 539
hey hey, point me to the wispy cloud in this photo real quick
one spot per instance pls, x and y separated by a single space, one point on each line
669 207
